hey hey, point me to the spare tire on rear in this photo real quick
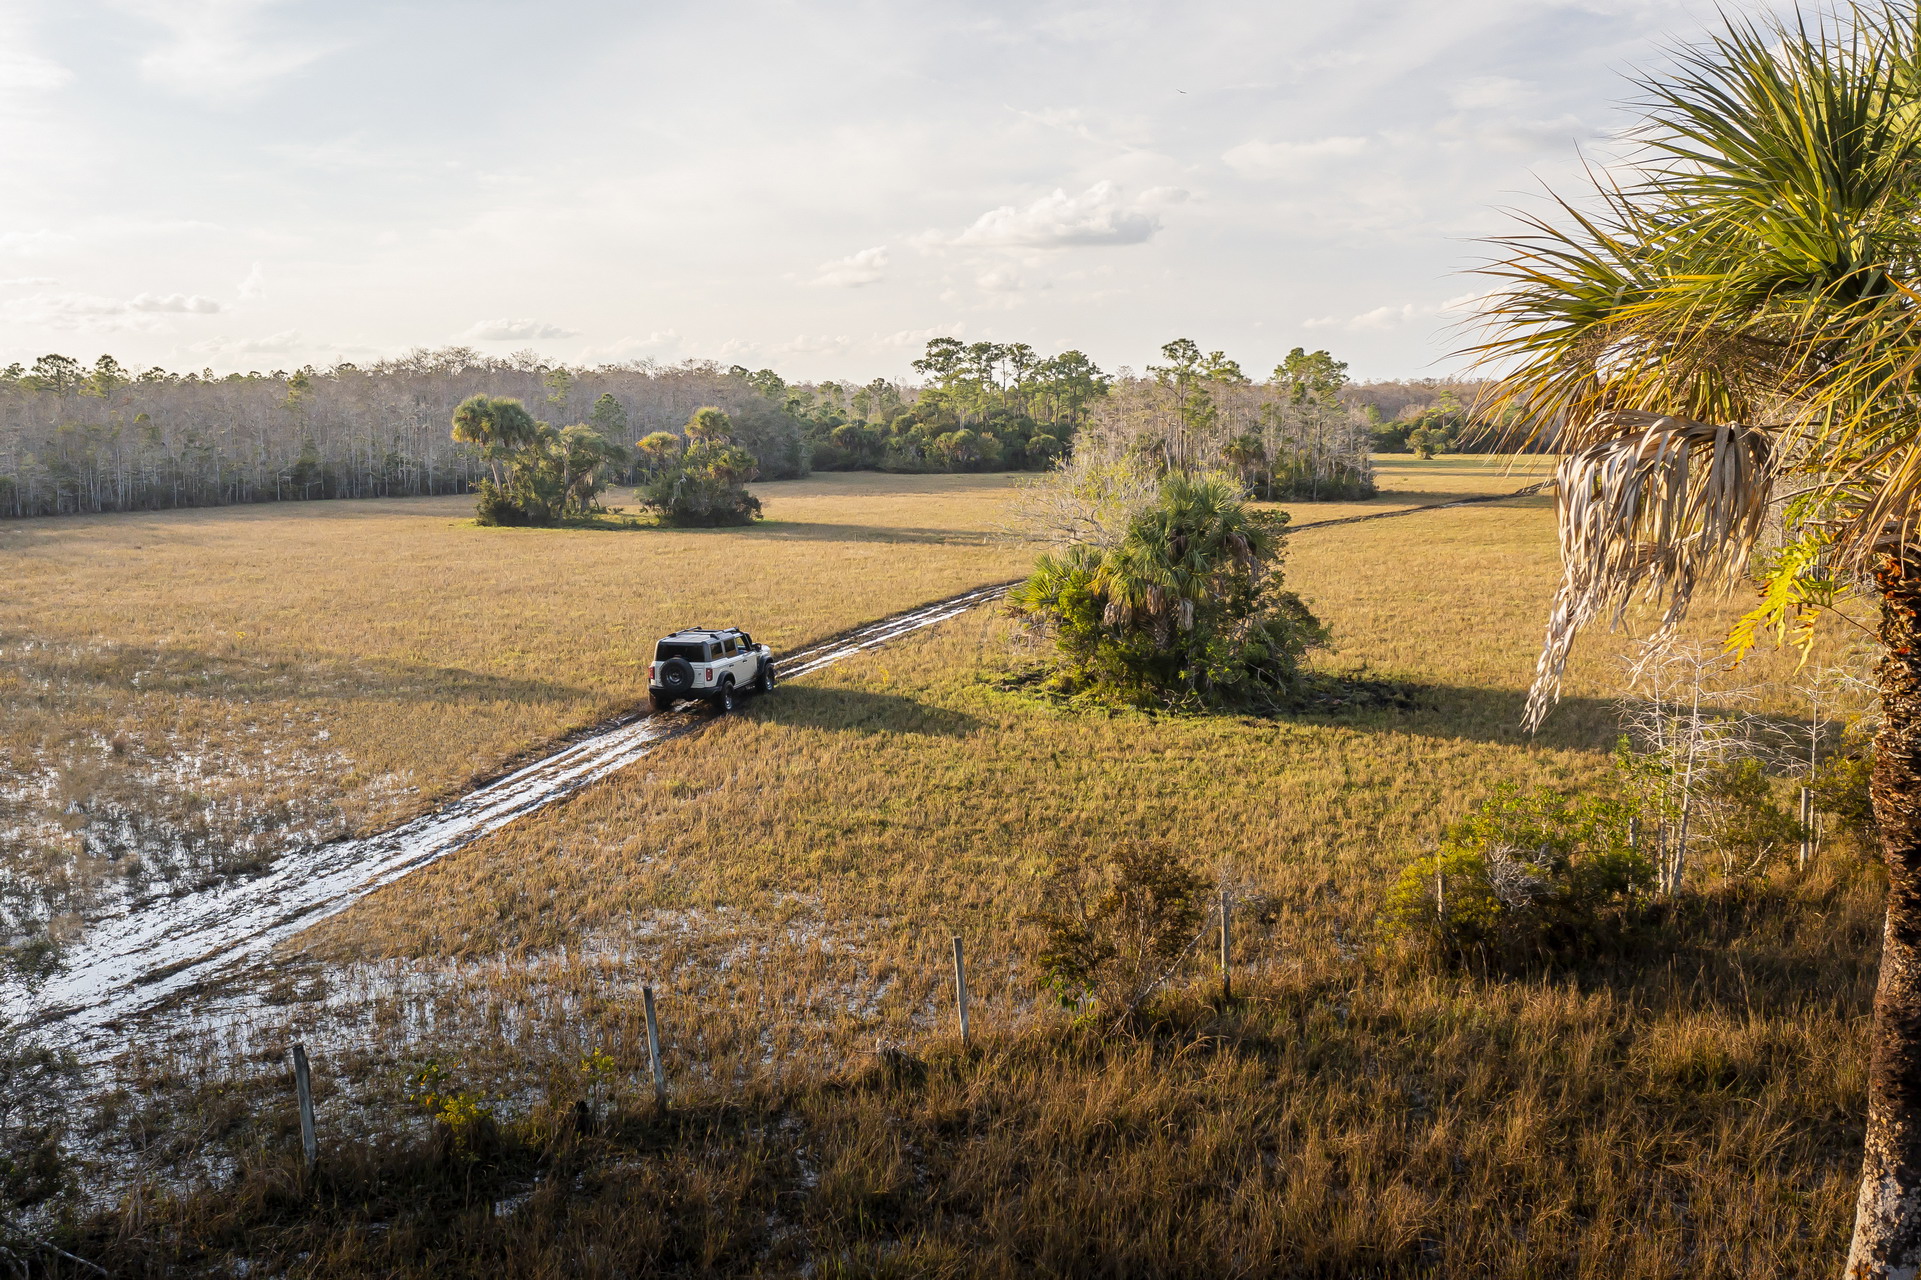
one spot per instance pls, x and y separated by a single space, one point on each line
676 675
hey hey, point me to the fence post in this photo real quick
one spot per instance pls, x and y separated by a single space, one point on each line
303 1090
653 1051
1807 827
960 986
1227 951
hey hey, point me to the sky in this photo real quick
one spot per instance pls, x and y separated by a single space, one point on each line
813 187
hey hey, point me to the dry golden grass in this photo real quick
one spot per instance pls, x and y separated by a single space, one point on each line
788 882
186 691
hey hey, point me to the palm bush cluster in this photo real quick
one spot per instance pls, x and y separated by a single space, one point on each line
541 475
699 478
1185 608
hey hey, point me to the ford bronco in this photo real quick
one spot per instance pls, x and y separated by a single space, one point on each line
710 665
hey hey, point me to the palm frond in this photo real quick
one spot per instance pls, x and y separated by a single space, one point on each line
1664 508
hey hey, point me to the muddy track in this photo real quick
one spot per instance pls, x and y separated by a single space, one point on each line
161 950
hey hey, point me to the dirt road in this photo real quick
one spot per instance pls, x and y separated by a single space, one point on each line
129 963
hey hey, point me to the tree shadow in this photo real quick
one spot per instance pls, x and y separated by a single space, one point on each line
221 677
861 711
798 531
1470 713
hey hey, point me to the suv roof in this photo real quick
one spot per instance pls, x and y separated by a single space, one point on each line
703 633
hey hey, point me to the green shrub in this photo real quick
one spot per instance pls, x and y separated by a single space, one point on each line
1186 610
1114 926
1840 788
1741 823
705 485
1525 873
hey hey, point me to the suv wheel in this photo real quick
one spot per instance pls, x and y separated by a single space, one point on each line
725 700
764 682
675 676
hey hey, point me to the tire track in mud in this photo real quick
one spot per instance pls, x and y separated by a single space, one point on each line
134 961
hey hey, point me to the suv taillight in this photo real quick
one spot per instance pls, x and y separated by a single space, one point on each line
650 671
707 673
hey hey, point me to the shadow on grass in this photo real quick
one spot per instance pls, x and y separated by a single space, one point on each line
1459 713
798 531
861 711
223 677
1477 714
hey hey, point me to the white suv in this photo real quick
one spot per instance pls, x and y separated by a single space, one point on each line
709 665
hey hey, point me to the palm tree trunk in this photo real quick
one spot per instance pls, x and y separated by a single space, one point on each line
1887 1223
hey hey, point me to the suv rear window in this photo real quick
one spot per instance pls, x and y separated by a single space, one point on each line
690 651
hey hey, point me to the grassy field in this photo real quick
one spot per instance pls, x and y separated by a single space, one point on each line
187 691
789 881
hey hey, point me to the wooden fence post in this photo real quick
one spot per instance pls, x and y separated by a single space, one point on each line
1807 827
960 986
303 1090
653 1051
1227 951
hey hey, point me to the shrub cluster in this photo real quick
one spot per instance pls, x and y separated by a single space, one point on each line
1524 874
702 483
1114 927
1185 610
541 475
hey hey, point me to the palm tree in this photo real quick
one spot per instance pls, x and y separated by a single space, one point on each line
1178 552
497 424
1734 326
586 456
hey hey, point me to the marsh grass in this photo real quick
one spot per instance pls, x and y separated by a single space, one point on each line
1687 1109
187 692
789 880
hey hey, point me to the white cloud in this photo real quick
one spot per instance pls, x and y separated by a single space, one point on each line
918 338
1500 93
1099 215
1528 136
173 303
821 345
659 342
1001 280
1267 159
24 72
866 267
254 286
74 310
214 49
1395 315
513 331
273 344
31 244
30 280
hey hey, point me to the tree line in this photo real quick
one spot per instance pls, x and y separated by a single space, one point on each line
77 438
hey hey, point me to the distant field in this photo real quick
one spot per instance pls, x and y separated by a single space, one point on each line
184 692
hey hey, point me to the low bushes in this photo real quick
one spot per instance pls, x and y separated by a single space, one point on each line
704 484
1116 927
1523 874
1184 609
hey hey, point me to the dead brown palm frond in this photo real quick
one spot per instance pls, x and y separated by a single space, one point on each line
1662 509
